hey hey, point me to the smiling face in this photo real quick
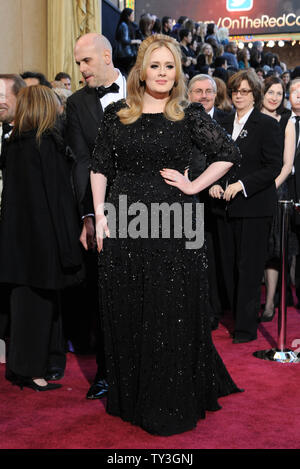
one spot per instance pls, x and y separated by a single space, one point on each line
273 97
202 91
160 72
8 101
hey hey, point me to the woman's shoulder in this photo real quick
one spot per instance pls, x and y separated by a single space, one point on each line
123 26
196 111
114 107
110 116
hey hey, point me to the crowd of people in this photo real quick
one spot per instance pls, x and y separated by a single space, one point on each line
172 115
205 48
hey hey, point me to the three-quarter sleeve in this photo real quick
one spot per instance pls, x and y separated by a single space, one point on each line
103 158
211 138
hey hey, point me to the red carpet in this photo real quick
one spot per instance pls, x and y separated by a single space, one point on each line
266 415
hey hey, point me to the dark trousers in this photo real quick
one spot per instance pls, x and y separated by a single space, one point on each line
36 336
243 249
215 307
82 323
4 311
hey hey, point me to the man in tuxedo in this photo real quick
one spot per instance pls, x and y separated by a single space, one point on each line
202 89
294 180
104 84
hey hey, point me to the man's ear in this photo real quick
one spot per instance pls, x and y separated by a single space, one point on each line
107 56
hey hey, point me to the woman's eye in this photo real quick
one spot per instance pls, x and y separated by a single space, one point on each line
170 67
153 66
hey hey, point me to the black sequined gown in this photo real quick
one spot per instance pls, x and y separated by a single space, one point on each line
163 369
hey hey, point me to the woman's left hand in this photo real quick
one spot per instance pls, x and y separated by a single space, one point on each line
232 190
175 178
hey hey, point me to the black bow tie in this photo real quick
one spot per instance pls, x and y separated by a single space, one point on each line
6 128
102 91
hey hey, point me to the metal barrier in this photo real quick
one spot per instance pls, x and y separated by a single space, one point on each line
281 353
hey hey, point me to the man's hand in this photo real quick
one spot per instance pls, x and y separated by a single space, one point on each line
87 237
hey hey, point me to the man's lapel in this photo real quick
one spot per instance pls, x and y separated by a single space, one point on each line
92 104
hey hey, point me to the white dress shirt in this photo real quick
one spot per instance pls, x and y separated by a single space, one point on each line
238 126
113 97
211 112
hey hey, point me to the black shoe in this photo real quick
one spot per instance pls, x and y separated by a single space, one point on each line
267 316
29 383
98 389
54 374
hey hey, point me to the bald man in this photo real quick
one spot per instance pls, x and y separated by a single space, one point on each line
104 84
93 55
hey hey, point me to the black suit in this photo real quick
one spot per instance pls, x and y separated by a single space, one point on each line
4 290
84 115
294 193
217 301
244 230
294 180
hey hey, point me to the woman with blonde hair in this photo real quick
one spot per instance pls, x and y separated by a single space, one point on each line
206 56
39 249
163 370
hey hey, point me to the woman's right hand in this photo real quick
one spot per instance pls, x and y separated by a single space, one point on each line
216 192
101 230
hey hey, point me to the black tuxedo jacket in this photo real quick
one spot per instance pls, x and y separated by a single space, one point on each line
294 180
84 115
219 115
261 147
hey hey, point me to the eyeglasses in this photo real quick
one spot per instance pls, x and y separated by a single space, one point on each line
207 92
243 92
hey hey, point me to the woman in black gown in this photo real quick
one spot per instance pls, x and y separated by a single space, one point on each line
163 369
273 106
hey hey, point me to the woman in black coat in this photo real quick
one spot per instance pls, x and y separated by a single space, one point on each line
251 202
39 249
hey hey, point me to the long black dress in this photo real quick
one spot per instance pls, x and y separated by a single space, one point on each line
163 369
